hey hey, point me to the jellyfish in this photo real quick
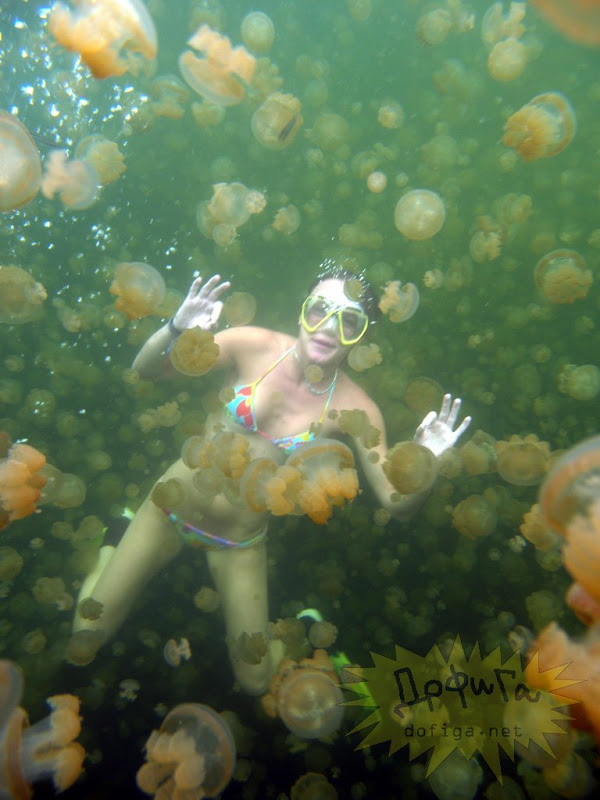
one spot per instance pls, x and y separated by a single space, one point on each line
195 352
287 220
140 289
410 467
267 486
322 634
76 182
498 24
104 156
313 786
20 165
258 32
474 517
228 204
364 357
331 132
328 477
423 394
419 214
21 296
169 96
46 749
377 181
570 485
192 755
507 59
542 128
306 697
223 73
390 115
20 482
239 308
434 26
174 652
579 382
523 461
112 36
400 301
562 276
276 122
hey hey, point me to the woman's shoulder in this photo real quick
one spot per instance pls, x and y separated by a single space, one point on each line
352 396
245 338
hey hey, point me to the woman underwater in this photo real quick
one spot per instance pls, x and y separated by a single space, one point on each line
277 408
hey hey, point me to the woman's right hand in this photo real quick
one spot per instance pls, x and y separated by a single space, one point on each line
202 307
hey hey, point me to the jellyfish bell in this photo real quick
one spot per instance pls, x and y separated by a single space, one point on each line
310 704
542 128
399 301
76 182
112 36
258 32
103 155
419 214
507 59
277 120
571 486
410 467
21 296
194 352
193 751
228 204
562 276
239 308
20 165
223 73
139 288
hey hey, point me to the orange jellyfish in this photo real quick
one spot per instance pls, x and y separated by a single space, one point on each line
20 166
31 753
562 276
419 214
523 462
192 755
103 155
306 697
579 20
239 308
276 122
223 73
410 467
542 128
112 36
20 482
139 288
400 301
328 477
21 296
195 352
76 181
570 485
169 96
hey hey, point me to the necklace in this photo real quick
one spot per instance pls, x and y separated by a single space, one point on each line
310 386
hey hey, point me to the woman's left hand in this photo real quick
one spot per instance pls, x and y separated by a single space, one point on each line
435 432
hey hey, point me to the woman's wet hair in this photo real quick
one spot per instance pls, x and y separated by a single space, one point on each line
365 295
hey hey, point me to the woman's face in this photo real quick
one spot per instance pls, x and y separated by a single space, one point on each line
324 345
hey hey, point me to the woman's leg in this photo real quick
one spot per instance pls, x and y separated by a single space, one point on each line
148 544
241 580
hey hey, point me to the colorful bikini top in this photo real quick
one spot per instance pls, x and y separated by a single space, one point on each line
242 411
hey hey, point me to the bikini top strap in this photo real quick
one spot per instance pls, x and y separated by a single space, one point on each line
276 363
329 396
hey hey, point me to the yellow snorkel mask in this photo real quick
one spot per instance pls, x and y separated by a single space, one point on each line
352 320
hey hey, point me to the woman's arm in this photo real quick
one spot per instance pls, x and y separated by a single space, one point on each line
201 308
435 432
